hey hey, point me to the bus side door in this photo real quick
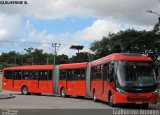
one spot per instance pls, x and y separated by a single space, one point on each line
33 81
43 81
79 82
70 82
17 80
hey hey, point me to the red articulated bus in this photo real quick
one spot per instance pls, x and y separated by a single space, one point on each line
123 78
28 79
72 79
119 78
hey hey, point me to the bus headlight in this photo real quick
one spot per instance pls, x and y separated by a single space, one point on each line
120 90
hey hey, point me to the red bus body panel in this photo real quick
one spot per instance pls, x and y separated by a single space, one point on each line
34 86
73 87
118 98
118 56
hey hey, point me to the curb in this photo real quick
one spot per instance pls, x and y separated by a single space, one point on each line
6 96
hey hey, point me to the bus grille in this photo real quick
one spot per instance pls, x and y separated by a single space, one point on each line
142 98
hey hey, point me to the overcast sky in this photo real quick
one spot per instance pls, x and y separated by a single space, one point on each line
71 22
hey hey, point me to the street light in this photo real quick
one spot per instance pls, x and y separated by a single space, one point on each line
150 11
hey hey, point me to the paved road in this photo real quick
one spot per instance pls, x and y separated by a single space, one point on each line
54 102
48 102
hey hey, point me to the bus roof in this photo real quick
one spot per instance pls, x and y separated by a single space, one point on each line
31 67
73 65
122 56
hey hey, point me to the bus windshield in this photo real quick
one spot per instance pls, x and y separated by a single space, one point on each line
135 73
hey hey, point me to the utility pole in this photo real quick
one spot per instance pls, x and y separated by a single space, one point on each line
55 46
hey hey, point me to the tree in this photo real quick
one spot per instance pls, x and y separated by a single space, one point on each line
82 57
126 41
62 59
77 47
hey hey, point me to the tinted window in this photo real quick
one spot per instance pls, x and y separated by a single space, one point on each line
105 71
50 74
8 74
33 75
83 74
17 75
25 74
70 74
79 74
92 73
63 74
111 72
43 75
97 72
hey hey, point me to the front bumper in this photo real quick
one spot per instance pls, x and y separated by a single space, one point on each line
135 98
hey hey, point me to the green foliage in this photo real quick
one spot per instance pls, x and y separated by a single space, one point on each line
129 40
62 59
126 41
31 57
82 57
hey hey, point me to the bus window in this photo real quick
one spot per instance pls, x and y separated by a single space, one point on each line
83 74
62 74
97 72
50 75
77 74
25 74
111 72
70 74
43 75
33 75
105 71
92 73
8 74
17 75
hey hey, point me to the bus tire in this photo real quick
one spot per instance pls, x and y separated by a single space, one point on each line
94 96
24 90
110 100
63 94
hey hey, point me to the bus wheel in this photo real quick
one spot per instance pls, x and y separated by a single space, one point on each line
24 90
94 97
110 100
63 94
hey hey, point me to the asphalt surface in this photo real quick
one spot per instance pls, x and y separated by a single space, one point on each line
56 102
